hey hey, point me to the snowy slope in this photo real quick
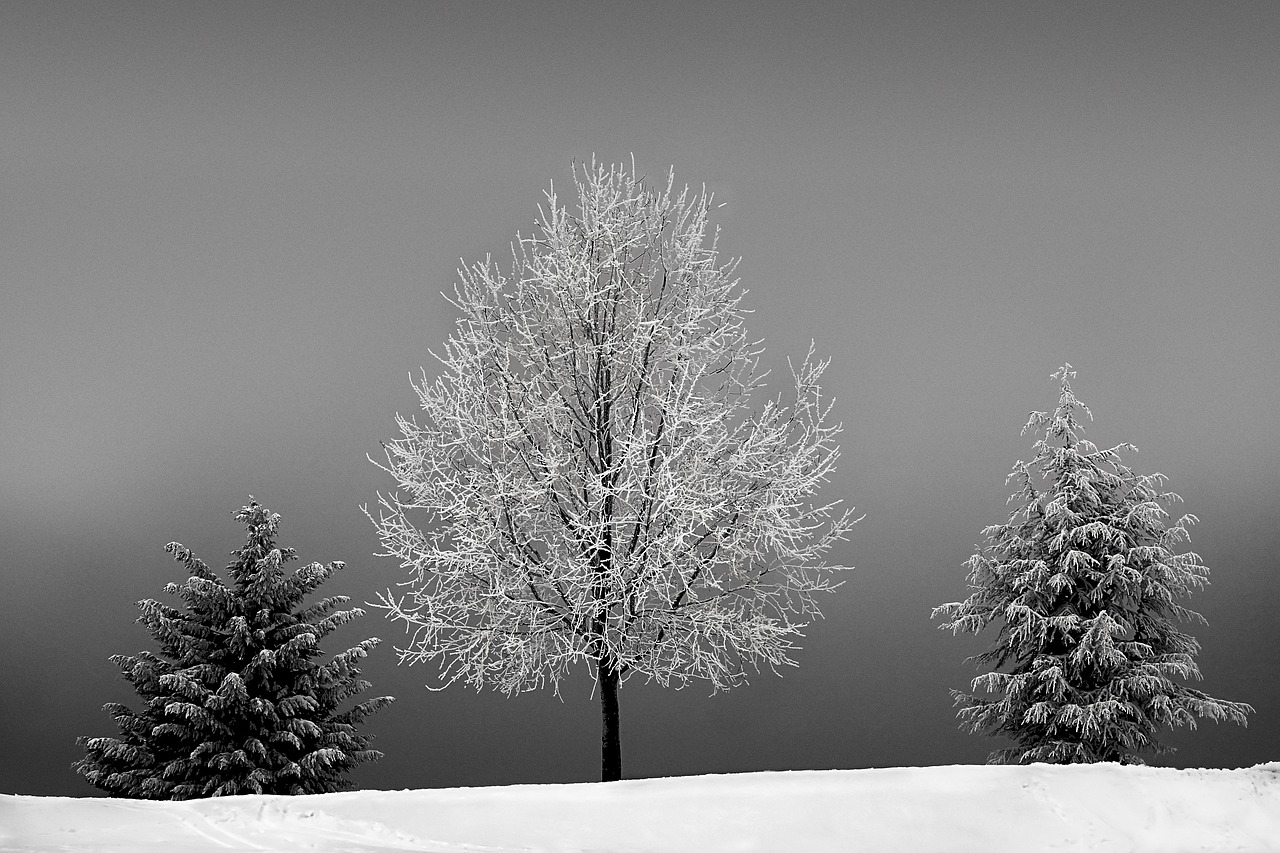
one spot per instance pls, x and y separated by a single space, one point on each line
960 808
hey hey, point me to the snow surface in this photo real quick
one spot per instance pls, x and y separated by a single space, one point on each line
958 808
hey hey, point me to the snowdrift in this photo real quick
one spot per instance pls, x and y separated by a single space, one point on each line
960 808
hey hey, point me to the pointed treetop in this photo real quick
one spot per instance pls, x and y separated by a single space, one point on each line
1062 424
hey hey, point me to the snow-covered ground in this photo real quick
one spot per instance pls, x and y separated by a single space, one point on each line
960 808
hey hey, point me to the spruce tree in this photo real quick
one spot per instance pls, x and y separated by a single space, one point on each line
1084 582
238 700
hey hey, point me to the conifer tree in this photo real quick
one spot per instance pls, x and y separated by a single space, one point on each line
1083 582
237 701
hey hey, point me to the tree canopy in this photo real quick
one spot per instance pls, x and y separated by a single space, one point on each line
237 700
1084 583
592 480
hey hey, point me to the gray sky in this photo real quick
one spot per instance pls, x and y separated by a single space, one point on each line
226 228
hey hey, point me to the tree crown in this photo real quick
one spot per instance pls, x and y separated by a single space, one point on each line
591 480
1084 582
237 702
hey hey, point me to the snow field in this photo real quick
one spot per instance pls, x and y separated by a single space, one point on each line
957 808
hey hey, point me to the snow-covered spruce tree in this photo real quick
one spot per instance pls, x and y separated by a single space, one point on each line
590 484
237 700
1084 582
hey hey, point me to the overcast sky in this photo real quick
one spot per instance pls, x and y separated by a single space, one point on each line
225 229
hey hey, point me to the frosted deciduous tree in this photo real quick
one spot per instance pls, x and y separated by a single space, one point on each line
590 483
237 700
1083 582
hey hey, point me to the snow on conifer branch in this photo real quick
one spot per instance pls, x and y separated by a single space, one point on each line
235 702
1083 584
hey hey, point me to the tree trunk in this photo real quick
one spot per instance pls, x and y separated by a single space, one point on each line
610 741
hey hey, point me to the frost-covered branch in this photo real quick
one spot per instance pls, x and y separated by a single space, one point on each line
591 478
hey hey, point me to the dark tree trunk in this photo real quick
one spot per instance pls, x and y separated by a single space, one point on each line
610 741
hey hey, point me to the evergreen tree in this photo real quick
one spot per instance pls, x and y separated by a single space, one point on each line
1084 582
237 700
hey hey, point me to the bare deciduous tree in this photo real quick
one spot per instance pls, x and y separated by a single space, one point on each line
590 482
